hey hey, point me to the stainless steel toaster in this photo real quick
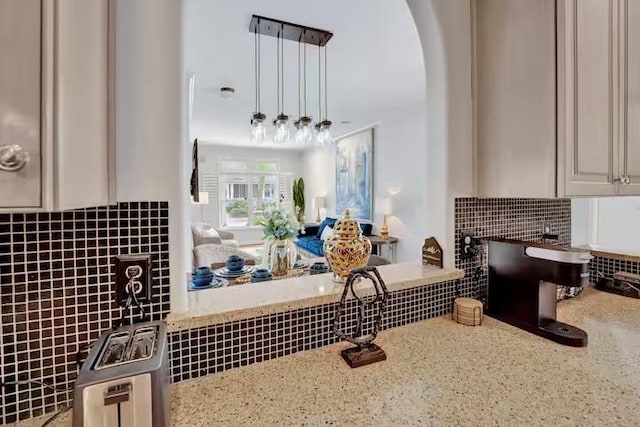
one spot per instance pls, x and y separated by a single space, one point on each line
124 381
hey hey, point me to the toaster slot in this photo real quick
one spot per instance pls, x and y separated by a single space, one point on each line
142 344
114 350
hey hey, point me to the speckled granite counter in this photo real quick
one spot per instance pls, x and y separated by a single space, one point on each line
441 373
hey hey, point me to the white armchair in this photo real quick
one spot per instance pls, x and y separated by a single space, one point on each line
204 234
212 255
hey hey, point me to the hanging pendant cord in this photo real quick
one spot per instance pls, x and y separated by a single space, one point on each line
278 72
326 104
299 80
305 74
319 86
259 71
255 66
282 66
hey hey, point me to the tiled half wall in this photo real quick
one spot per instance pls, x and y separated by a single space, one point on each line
521 219
207 350
56 275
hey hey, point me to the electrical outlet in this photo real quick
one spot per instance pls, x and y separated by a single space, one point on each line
468 245
133 274
547 232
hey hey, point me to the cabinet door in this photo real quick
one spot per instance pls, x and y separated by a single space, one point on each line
82 105
630 95
588 99
20 46
515 98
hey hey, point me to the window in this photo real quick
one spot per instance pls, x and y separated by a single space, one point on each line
247 188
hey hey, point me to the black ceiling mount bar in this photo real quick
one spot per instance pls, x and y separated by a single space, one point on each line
295 32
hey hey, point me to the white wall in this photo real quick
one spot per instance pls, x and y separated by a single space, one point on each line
580 222
619 223
319 173
150 117
398 167
608 223
444 27
427 152
290 161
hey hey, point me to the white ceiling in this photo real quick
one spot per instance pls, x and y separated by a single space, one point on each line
375 63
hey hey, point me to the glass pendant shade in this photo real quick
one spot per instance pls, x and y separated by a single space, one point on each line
324 135
258 129
282 133
304 134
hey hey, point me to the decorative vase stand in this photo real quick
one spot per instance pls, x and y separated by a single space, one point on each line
365 352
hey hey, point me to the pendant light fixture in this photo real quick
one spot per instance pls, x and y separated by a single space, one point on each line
258 130
323 127
304 35
304 125
281 122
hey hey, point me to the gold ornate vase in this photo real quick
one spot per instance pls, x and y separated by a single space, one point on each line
347 248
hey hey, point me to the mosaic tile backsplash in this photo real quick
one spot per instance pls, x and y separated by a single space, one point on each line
608 266
210 349
56 271
521 219
56 275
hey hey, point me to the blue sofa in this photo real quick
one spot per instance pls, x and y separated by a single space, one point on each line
310 240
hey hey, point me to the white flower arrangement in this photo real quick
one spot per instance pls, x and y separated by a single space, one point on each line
277 224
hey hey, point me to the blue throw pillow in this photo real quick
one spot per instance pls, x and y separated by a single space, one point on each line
330 222
367 228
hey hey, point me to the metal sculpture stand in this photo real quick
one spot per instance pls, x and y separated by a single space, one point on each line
365 352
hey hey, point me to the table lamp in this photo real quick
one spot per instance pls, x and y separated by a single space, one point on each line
319 203
203 198
386 208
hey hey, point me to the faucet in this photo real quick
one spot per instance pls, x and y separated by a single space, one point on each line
523 277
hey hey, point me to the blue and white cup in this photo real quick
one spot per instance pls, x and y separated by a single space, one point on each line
202 272
318 268
235 263
260 274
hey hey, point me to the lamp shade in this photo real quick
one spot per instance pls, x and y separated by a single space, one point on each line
386 206
320 202
203 197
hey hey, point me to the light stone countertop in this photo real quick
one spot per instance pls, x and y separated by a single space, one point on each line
613 253
442 374
211 306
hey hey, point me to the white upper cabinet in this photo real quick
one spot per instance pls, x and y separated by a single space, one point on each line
588 97
556 97
515 97
20 86
55 99
630 105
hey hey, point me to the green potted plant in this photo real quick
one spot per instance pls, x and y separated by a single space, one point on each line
298 198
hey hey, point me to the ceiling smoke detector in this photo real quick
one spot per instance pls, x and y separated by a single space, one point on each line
227 92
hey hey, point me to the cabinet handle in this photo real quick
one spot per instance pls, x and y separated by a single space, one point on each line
620 180
13 158
627 179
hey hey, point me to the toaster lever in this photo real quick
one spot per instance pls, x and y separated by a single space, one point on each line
117 394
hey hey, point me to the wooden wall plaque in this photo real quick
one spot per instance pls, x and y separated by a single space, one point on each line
432 252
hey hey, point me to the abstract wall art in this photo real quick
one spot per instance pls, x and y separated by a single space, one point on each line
354 175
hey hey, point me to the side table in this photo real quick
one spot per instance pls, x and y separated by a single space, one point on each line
378 242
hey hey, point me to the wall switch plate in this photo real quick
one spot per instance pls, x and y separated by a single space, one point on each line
133 273
468 245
